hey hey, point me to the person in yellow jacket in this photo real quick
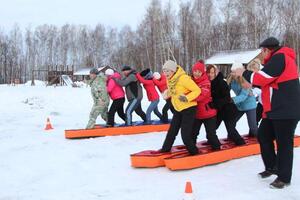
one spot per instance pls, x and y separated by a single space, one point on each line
183 92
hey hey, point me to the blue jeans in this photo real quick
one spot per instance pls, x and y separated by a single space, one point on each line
153 107
251 118
134 105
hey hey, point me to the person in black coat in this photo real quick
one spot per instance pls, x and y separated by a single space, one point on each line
222 101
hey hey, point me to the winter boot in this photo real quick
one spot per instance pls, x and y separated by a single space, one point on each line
267 173
278 184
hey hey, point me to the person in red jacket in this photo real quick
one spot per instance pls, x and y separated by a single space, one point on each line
145 77
117 94
204 114
279 82
160 81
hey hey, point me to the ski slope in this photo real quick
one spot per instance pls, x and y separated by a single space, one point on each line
43 165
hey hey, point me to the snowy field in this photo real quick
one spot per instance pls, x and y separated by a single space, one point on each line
43 165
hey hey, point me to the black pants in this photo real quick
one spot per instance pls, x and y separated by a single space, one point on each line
183 120
230 125
210 128
168 106
282 131
259 112
116 106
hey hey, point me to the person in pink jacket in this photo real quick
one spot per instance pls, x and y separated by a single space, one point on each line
205 113
146 78
160 81
117 94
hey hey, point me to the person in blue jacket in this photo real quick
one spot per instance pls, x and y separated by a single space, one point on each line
244 100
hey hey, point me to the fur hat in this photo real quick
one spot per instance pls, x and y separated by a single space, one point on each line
109 72
170 65
156 75
236 65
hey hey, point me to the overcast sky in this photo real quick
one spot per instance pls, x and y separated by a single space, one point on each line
113 13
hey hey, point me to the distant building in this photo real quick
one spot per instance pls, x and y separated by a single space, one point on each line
225 59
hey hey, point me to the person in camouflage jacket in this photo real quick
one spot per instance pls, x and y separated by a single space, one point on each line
100 97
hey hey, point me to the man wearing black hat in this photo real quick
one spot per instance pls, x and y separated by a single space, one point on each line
279 82
134 94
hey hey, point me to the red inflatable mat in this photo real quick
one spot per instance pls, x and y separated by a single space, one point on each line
179 159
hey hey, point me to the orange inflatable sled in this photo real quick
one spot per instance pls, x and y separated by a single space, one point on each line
179 159
113 131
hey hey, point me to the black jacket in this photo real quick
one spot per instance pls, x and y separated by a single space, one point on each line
279 81
222 101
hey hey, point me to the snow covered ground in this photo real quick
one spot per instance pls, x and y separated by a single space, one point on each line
43 165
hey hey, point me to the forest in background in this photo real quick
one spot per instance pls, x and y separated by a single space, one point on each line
195 30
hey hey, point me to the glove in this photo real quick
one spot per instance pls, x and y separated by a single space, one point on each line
182 98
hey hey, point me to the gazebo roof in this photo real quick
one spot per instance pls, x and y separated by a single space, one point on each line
229 57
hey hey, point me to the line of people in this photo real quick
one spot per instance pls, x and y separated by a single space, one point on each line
202 98
111 83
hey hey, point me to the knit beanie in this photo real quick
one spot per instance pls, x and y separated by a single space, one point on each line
199 66
109 72
236 65
156 75
170 65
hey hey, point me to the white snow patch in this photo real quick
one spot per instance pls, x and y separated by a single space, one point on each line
43 165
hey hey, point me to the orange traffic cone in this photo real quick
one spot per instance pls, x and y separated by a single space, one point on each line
188 194
48 125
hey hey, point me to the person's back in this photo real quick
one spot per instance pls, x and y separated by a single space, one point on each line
220 92
117 94
148 84
98 89
244 99
133 88
100 97
115 90
160 81
146 78
134 93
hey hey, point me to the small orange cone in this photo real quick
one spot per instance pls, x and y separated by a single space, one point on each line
48 125
188 194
